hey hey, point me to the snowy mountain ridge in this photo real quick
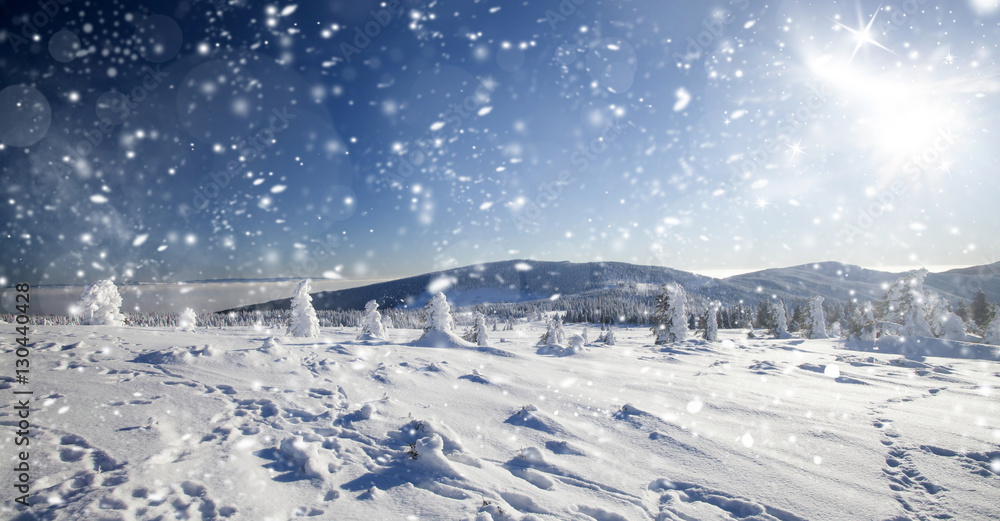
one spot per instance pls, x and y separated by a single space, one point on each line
524 280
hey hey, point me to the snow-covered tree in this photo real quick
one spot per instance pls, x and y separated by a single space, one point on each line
951 326
861 323
100 305
905 304
609 337
302 321
869 327
712 322
477 334
780 329
187 320
371 323
437 314
836 330
943 321
816 324
992 333
670 317
586 338
554 333
981 312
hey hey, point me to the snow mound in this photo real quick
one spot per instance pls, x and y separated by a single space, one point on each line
530 417
369 339
559 350
437 338
174 355
305 457
475 376
628 410
764 367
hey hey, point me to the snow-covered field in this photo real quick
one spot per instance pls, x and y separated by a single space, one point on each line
132 423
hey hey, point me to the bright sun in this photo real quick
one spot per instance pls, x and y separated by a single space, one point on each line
897 119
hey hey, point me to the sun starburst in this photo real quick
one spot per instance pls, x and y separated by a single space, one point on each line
797 148
864 35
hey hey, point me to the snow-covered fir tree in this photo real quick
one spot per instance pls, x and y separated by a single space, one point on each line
712 322
302 321
437 314
905 303
981 311
477 334
609 337
371 325
100 305
869 327
780 329
816 323
586 338
670 317
187 320
554 333
861 323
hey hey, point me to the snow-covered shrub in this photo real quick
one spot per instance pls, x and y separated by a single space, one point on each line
950 326
100 305
302 321
371 324
609 337
670 316
187 320
836 331
554 334
478 334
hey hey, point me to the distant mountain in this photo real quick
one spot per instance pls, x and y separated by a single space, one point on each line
523 280
842 282
504 281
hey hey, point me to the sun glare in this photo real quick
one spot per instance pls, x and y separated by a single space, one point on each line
897 119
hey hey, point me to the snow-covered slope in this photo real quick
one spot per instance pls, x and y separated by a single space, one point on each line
505 281
518 281
133 423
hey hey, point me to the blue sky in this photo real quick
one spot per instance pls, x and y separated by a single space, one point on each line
179 141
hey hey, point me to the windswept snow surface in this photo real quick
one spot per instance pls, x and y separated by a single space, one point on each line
144 423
